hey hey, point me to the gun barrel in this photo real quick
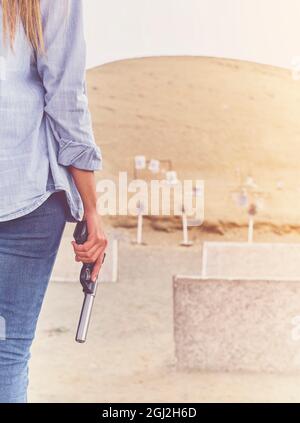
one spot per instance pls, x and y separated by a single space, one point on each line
85 317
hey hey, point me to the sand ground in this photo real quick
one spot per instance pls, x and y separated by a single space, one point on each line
218 120
129 355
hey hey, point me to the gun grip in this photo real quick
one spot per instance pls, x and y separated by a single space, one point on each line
81 232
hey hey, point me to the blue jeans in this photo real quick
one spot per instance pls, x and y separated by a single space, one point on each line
28 247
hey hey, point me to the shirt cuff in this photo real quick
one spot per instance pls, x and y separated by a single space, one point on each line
82 156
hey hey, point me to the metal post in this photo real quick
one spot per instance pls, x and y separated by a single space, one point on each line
250 228
139 236
185 242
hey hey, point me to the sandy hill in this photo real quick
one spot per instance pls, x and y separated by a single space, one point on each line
211 117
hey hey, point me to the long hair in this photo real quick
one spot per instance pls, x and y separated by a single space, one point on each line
29 12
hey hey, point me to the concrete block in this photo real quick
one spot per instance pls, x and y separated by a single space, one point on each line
237 325
237 260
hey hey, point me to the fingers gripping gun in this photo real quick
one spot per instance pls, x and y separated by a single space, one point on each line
89 287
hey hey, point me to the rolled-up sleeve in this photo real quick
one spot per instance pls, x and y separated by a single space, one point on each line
62 70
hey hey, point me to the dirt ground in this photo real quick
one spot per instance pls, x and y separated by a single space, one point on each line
215 119
129 355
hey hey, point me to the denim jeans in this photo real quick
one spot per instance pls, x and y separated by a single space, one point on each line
28 248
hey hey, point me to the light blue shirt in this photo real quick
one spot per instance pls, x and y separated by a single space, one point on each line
45 123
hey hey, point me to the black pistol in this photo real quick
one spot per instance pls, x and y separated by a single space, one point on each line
89 287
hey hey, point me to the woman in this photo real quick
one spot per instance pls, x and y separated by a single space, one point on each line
48 156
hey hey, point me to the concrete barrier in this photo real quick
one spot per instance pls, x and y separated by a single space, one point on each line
237 325
66 269
237 260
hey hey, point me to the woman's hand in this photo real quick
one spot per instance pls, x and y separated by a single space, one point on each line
92 251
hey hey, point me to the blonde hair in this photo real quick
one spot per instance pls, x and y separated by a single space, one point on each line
30 14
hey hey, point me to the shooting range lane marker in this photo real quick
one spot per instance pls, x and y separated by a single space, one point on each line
139 236
139 232
185 242
250 229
